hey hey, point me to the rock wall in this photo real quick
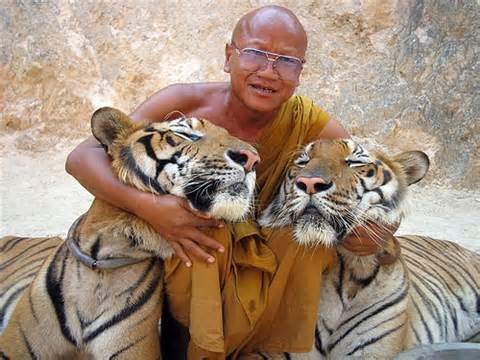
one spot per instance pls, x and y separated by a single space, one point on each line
404 73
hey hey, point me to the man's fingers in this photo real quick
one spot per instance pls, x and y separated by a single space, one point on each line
208 221
382 228
205 220
199 213
195 250
186 205
181 254
394 227
205 240
361 245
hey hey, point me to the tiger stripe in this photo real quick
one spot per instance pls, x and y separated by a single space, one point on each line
100 293
431 294
20 260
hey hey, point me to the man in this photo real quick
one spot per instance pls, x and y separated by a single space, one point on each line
264 60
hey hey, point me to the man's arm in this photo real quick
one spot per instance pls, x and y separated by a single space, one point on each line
333 130
169 215
158 107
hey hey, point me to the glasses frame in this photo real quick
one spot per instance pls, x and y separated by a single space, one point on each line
270 56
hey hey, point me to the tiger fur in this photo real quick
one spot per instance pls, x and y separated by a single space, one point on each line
72 310
431 294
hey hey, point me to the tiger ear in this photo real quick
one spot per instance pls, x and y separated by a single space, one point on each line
107 123
415 164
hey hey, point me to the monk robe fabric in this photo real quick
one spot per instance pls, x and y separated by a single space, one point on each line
262 293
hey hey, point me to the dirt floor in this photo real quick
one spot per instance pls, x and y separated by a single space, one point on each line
38 198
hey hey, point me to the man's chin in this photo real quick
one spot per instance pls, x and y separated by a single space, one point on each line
262 104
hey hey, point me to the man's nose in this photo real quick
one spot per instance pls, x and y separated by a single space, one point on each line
248 159
268 69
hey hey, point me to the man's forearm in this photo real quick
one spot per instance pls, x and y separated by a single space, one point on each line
89 164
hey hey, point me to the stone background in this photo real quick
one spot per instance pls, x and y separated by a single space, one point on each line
405 73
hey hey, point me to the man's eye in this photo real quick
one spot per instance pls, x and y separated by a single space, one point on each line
288 60
253 52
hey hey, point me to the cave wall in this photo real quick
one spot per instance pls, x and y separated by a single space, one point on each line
402 73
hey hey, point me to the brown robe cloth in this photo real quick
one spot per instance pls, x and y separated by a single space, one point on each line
262 293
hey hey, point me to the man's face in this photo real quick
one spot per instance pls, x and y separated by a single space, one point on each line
264 90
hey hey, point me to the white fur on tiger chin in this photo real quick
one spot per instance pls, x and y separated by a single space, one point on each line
230 208
233 207
314 234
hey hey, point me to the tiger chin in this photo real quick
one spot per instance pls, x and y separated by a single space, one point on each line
430 294
99 293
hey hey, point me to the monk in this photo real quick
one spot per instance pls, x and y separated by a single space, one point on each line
234 288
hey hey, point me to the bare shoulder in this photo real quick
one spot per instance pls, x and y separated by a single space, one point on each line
195 92
333 130
205 88
186 98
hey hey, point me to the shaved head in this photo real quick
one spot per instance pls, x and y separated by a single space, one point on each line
274 17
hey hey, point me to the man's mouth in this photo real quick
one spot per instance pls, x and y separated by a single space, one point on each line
263 89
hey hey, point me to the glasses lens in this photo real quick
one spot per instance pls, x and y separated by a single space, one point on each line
288 68
252 59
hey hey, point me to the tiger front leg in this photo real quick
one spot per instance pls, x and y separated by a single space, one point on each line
367 333
137 337
129 345
322 337
29 335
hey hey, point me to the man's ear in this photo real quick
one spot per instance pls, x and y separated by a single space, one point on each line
228 54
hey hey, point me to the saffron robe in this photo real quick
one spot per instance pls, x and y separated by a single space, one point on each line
262 293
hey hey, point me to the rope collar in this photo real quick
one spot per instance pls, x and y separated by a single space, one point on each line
87 260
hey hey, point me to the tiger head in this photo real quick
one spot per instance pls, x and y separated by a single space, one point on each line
187 157
335 185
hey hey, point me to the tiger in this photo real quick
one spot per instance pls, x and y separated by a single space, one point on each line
430 294
98 294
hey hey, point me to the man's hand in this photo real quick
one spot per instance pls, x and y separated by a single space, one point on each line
169 215
174 219
372 239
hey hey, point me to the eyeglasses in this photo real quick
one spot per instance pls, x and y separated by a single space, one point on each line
287 67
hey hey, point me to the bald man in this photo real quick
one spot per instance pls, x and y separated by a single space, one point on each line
264 59
244 106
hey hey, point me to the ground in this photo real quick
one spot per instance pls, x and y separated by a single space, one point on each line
39 198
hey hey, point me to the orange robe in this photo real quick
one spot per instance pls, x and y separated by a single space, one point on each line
262 293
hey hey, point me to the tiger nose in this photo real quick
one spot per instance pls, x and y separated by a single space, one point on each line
248 159
312 185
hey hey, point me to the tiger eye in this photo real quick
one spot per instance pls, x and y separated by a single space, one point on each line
370 173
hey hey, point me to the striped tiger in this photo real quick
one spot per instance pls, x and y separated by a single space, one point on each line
99 293
20 260
431 294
